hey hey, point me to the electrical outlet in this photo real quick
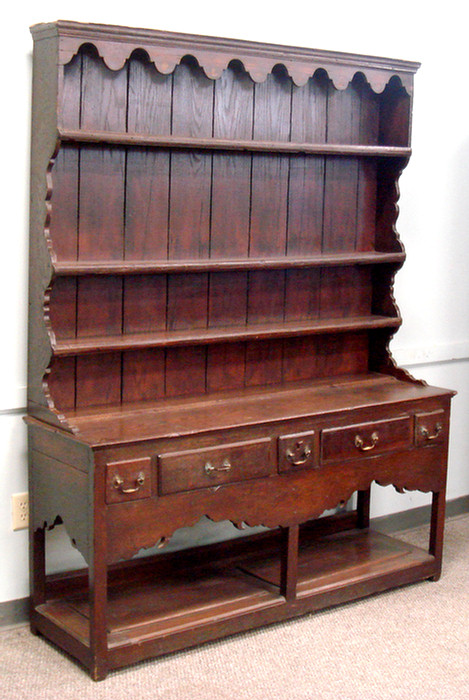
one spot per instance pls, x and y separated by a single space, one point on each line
19 511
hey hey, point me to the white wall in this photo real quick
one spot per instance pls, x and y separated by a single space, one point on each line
432 290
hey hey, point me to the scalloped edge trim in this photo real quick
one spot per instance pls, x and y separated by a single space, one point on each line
213 62
160 538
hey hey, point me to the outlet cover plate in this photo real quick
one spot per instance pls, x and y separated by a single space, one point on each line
19 511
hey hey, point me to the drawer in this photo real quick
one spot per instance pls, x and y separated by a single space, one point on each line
431 428
297 451
128 480
363 439
212 466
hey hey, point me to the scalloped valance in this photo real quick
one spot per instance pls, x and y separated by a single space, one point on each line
166 50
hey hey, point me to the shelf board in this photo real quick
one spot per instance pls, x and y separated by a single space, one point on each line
216 144
202 336
193 605
133 267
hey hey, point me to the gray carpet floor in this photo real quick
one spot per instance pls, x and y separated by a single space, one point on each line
405 644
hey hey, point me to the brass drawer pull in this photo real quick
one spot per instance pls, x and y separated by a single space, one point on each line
225 466
299 454
426 435
366 448
118 483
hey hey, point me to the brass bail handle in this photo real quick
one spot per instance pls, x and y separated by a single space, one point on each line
426 433
360 444
299 454
225 466
118 483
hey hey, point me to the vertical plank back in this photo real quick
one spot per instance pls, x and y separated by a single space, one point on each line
147 190
146 226
268 230
101 228
272 108
231 203
341 176
189 222
306 189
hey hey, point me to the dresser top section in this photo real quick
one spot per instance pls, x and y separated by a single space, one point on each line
166 49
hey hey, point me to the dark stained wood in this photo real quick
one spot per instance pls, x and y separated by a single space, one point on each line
63 227
302 294
187 301
213 251
63 307
269 174
437 529
395 109
146 226
37 566
249 406
144 304
198 335
111 267
191 173
368 133
231 185
205 468
98 380
345 292
101 226
341 176
97 582
225 144
147 170
363 508
244 600
228 302
263 363
231 202
226 364
143 375
102 170
63 230
351 442
266 297
306 177
61 382
144 310
185 370
289 563
189 215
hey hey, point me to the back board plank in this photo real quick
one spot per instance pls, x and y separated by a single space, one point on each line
101 226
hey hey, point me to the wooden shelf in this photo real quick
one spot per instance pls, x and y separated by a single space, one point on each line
133 267
202 336
173 610
217 144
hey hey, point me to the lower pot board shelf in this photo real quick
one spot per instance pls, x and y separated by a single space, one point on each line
155 615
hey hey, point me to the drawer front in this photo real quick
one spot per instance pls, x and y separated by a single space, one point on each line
212 466
431 428
363 439
297 451
128 480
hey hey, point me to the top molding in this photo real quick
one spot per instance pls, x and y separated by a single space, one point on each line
166 49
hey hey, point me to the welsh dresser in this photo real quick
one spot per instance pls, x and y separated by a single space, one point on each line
213 250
